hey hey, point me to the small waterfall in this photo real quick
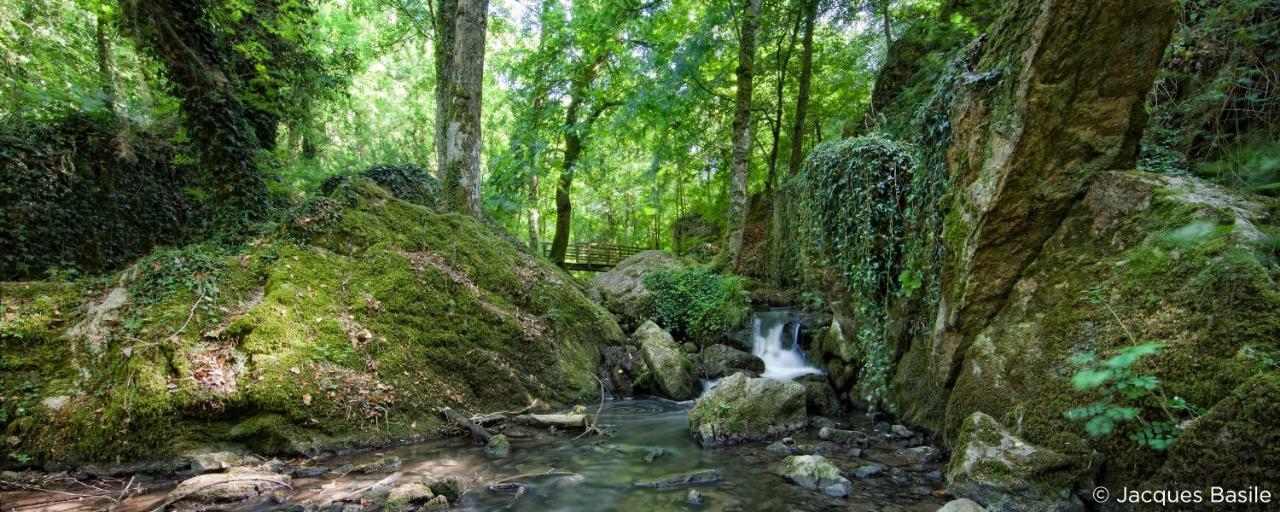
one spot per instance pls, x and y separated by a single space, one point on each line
780 350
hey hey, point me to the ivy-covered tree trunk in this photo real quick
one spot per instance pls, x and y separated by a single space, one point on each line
179 34
462 129
802 96
445 22
736 218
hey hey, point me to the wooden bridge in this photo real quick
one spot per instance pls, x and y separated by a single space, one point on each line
593 257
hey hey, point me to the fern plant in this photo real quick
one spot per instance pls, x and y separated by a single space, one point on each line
1121 388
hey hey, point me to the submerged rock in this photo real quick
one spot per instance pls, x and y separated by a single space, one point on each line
870 470
745 409
696 477
720 360
815 473
388 464
622 289
674 374
1005 474
852 437
238 485
920 454
498 446
694 498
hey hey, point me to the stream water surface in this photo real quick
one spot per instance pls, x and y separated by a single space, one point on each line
650 439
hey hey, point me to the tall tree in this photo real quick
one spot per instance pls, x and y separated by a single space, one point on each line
802 96
736 216
575 129
786 44
462 123
445 23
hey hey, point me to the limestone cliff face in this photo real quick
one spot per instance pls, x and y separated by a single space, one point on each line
1045 212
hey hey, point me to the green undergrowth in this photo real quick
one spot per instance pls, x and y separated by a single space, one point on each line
352 326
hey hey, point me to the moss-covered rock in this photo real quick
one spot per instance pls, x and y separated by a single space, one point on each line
744 409
1006 474
815 473
351 332
674 375
622 289
720 360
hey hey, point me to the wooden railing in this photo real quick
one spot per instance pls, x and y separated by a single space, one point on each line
593 257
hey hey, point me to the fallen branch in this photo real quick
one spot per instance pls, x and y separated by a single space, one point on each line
495 417
553 420
549 472
476 430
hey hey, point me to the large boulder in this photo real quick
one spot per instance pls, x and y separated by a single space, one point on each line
674 375
815 473
721 360
743 409
624 371
1006 474
622 289
363 310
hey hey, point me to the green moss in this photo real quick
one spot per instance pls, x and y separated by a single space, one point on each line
354 332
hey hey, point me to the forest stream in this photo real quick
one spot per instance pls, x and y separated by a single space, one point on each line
650 442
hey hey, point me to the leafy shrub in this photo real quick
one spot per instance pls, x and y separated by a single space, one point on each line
405 181
694 303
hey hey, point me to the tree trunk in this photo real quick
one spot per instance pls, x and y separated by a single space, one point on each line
802 98
573 134
445 23
107 68
462 130
775 127
884 19
531 139
736 217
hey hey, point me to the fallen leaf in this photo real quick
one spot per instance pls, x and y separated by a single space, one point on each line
295 370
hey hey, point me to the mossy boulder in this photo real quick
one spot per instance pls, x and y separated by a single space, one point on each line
622 289
815 473
744 409
720 360
351 332
674 374
1006 474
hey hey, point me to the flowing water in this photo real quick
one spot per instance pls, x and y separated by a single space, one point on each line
650 439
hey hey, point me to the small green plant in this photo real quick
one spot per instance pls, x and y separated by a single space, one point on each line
695 303
1123 389
20 458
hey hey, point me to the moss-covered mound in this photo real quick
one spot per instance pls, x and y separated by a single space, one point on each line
352 327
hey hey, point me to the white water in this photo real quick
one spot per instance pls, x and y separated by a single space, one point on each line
774 343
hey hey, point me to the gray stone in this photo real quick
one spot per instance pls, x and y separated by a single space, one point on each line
696 477
901 432
1006 474
621 289
674 374
214 461
694 498
962 505
234 486
408 495
387 464
815 473
836 435
744 409
870 470
920 454
721 360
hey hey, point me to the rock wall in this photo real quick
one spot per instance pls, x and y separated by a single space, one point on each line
1055 247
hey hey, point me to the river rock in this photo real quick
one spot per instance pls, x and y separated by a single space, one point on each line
449 487
214 461
408 496
815 473
920 454
674 374
962 505
745 409
498 446
622 289
852 437
1006 474
720 360
696 477
694 498
870 470
213 489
